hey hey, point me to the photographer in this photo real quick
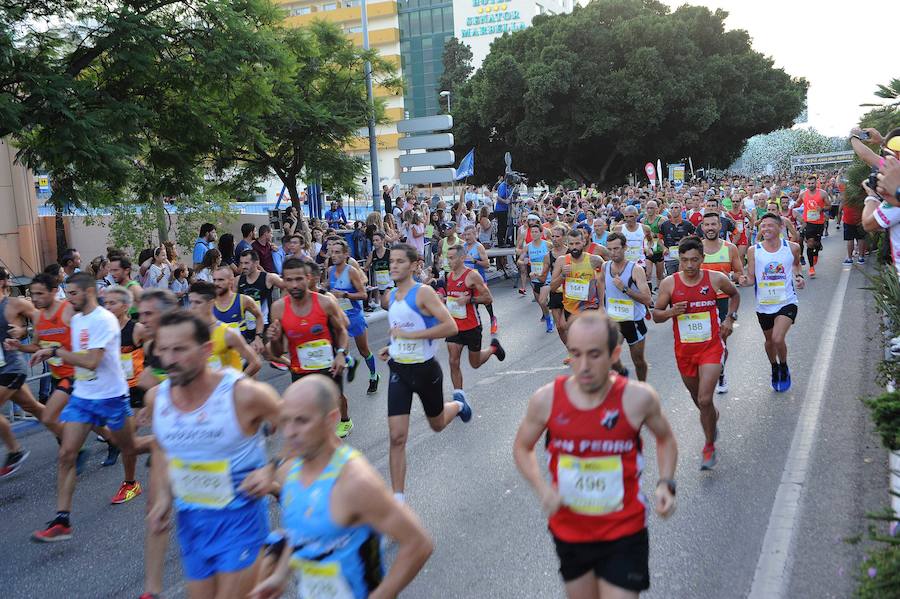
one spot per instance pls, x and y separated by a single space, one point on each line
503 194
889 180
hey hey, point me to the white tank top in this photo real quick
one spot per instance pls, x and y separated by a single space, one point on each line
209 455
774 278
634 246
405 314
619 305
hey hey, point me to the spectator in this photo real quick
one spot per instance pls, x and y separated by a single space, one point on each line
391 233
180 285
501 210
359 241
295 246
205 241
289 222
210 263
246 243
160 270
335 217
386 197
100 269
416 237
144 259
317 237
889 179
263 246
487 228
226 249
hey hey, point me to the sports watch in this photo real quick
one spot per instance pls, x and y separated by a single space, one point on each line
670 483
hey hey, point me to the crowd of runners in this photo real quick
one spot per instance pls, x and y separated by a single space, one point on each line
171 375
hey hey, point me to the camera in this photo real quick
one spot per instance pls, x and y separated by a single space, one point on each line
514 178
872 181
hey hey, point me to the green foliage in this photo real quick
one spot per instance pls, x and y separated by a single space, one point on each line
594 94
777 147
884 117
457 61
879 575
886 414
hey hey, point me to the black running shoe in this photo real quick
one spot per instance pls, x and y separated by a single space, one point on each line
352 365
498 349
373 385
14 461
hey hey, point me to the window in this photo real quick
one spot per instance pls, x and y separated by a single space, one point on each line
448 18
351 3
436 24
301 10
354 29
330 6
414 28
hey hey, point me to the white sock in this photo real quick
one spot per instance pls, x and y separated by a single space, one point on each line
399 498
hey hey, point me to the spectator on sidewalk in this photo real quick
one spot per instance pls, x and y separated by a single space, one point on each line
264 247
205 241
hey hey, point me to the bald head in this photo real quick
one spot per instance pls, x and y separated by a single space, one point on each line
315 389
630 210
596 325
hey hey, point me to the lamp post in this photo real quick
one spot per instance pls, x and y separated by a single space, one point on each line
446 94
373 146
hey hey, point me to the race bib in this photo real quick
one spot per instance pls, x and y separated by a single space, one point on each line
3 357
694 328
633 253
344 304
812 215
577 289
771 292
408 351
739 226
673 253
84 374
127 365
620 310
250 318
456 308
44 344
536 269
214 362
318 580
383 278
315 355
591 486
207 484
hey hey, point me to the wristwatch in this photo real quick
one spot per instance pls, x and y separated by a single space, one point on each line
669 483
340 350
733 315
54 350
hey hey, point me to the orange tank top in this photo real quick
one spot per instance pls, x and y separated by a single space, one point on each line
53 332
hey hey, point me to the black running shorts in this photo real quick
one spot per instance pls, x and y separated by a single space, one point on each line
425 380
470 338
623 563
767 321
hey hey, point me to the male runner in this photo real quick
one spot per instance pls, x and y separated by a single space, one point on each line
99 397
537 253
626 297
476 258
312 328
596 508
724 257
256 284
574 273
349 287
768 265
334 507
689 299
228 346
654 220
417 319
233 308
744 223
815 203
120 272
555 298
673 231
379 265
209 460
639 237
463 288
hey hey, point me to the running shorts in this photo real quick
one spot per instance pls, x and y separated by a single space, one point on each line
471 338
536 286
813 231
425 379
624 562
556 301
227 540
690 356
633 331
767 321
722 307
136 397
112 412
656 257
338 380
64 384
357 324
12 380
853 232
671 267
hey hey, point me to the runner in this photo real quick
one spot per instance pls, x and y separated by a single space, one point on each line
379 265
854 235
574 272
229 347
13 371
596 508
638 235
537 253
476 257
214 485
555 298
236 309
417 319
335 506
526 237
815 204
313 329
120 272
789 230
463 289
743 222
688 298
654 220
768 265
724 257
626 297
259 288
673 231
349 287
99 397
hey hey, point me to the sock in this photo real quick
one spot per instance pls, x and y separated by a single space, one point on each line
810 255
460 391
129 482
399 497
345 420
490 309
350 360
370 362
62 518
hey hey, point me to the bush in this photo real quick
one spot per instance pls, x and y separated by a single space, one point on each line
879 576
886 415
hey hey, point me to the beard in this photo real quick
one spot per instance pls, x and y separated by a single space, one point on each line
711 235
297 294
576 253
181 376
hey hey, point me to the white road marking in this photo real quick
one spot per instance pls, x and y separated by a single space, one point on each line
770 581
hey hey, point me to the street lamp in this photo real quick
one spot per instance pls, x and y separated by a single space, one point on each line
446 94
370 97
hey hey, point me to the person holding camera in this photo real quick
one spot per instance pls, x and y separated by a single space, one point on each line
882 209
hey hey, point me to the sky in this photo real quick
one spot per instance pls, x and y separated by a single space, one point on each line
828 43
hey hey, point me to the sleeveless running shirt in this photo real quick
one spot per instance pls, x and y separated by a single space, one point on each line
310 344
596 463
209 455
346 560
233 315
814 207
634 244
259 293
619 305
223 356
700 321
719 261
405 314
774 278
472 256
580 287
537 256
11 361
466 315
382 269
53 332
131 354
342 282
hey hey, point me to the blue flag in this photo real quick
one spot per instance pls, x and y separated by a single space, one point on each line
466 166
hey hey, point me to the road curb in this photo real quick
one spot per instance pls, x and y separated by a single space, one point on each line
22 428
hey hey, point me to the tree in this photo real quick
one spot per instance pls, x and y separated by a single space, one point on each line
596 93
884 117
457 61
776 148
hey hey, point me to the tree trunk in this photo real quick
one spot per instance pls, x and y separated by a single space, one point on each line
61 242
298 206
607 165
162 226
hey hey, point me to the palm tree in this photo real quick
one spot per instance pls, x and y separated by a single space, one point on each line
888 92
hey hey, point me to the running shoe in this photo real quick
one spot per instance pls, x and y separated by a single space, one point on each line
494 325
498 349
521 292
861 260
278 365
812 272
465 411
785 378
80 460
848 261
14 461
112 455
776 377
55 531
549 321
722 387
344 427
459 395
126 492
709 457
352 365
802 260
373 384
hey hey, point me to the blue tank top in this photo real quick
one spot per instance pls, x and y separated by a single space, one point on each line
471 256
346 558
600 240
343 283
233 316
539 255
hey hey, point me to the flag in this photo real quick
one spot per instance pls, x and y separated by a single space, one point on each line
659 170
691 163
466 166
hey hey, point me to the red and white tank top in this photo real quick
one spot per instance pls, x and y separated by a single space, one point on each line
700 321
813 207
309 339
596 463
466 315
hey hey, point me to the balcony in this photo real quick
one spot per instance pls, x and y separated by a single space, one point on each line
379 37
343 15
384 142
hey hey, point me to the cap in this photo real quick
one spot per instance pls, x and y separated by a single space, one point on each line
533 217
560 210
445 227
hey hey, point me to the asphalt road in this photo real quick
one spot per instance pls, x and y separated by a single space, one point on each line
491 538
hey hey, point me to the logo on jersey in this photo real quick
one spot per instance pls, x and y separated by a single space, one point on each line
704 290
610 419
316 329
773 270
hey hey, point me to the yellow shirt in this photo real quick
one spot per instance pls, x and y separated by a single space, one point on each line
222 355
580 286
